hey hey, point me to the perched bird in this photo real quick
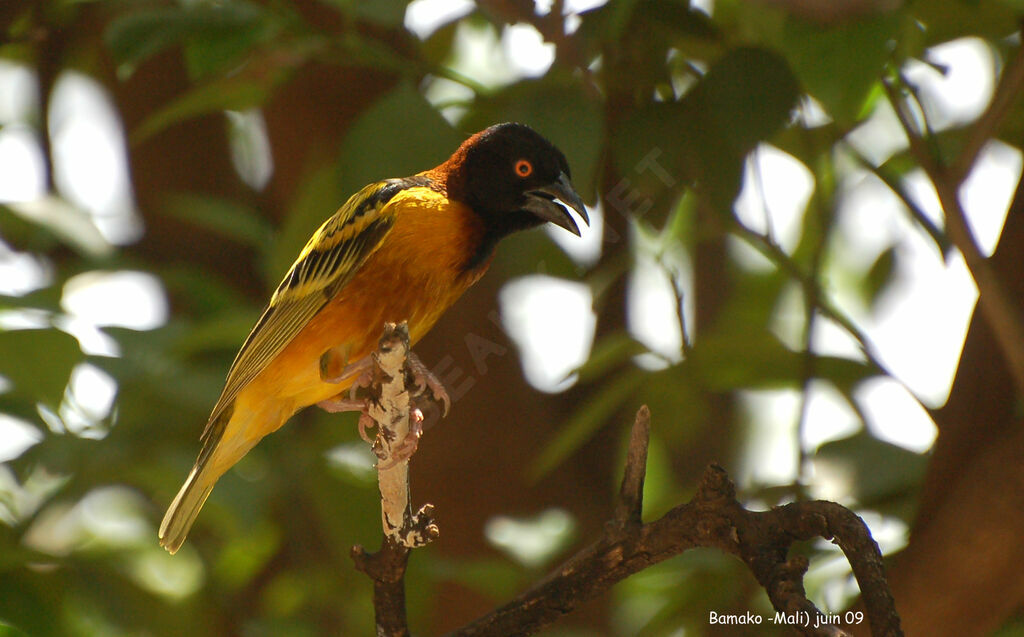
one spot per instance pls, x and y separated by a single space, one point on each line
398 250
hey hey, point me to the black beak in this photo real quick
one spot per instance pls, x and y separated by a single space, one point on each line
541 202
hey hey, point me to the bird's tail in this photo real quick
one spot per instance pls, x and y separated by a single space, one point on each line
190 499
185 507
228 437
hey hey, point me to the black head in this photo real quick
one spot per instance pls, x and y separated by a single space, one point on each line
511 176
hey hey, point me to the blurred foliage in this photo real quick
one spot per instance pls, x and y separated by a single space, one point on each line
652 101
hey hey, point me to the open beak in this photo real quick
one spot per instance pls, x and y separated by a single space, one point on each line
541 202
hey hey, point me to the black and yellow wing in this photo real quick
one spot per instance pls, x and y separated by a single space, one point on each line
331 257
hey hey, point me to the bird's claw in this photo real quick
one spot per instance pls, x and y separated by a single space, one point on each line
401 451
339 404
330 360
365 425
423 379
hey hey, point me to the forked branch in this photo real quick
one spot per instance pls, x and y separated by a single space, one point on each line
713 519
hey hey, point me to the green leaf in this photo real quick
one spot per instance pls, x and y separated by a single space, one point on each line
533 252
318 196
386 13
729 359
612 351
211 52
745 98
198 292
372 150
616 16
646 29
29 603
46 299
839 65
879 276
244 555
844 373
48 221
946 20
674 20
38 362
499 578
225 217
134 37
222 332
876 471
654 149
681 225
10 631
234 93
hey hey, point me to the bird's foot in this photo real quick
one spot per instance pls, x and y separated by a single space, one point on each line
420 380
404 450
340 404
362 369
423 379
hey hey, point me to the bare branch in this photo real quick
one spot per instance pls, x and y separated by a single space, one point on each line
917 213
918 146
390 409
786 263
386 568
995 303
629 508
712 519
1000 312
1011 84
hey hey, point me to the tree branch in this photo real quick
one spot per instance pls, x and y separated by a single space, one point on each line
774 253
1011 84
389 407
712 519
629 508
994 301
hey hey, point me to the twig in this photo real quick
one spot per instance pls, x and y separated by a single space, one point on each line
712 519
629 508
918 147
813 300
386 568
917 214
1001 313
995 303
390 410
1011 84
403 530
784 262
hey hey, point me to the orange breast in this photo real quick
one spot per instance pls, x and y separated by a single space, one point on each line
416 274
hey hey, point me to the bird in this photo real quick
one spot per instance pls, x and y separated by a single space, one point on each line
401 249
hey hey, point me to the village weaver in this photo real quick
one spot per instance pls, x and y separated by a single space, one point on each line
398 250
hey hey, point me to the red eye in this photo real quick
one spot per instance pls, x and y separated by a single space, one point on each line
524 168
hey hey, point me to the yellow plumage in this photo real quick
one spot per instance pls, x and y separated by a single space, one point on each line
362 268
398 250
